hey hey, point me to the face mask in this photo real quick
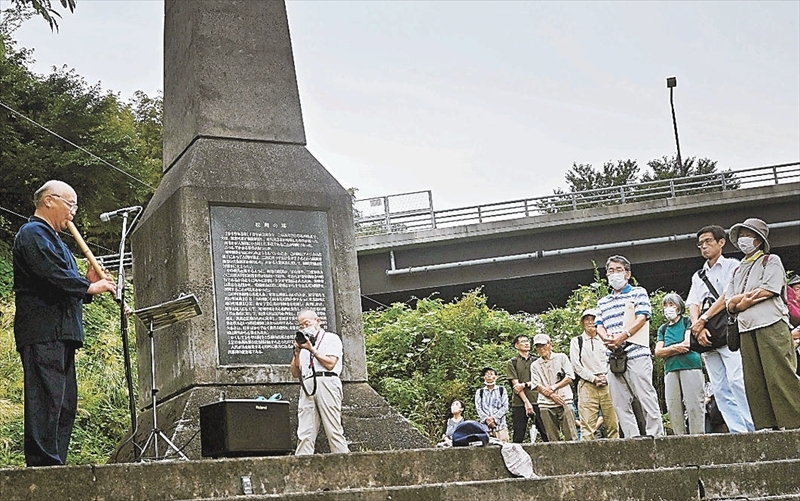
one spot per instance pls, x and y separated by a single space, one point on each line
617 280
746 244
671 313
310 332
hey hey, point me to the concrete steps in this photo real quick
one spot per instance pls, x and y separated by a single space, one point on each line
637 485
754 466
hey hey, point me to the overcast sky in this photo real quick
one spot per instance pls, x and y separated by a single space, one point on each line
489 101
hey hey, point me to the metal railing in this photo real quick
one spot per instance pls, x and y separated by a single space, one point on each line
424 217
399 213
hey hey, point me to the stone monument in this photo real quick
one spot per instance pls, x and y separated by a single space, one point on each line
251 223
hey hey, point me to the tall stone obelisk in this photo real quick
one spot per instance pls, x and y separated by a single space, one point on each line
252 224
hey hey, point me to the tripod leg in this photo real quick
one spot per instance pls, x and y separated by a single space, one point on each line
171 445
155 433
150 437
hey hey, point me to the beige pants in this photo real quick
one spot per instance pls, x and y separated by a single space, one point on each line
500 434
324 407
591 401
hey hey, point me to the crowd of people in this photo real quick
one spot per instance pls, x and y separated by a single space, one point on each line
741 377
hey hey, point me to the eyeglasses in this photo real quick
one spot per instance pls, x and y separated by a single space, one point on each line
73 206
707 241
615 270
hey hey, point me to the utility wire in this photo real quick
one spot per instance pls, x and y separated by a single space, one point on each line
374 301
74 145
12 212
63 232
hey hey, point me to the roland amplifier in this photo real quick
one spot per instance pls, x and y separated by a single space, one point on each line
232 428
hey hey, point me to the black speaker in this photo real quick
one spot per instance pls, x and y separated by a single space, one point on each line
235 428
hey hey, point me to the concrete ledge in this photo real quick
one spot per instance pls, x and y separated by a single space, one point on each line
766 479
370 423
662 485
667 452
754 456
771 480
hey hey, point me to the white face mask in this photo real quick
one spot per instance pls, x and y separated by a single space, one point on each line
310 331
670 312
617 280
746 244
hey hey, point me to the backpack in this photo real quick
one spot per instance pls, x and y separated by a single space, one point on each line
577 378
502 392
470 433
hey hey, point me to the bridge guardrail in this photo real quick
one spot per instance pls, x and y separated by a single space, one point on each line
414 211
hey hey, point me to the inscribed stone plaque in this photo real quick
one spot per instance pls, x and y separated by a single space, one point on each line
268 265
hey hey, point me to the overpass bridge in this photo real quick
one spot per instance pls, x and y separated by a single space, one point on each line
530 254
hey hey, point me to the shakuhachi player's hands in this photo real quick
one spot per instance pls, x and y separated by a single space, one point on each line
98 285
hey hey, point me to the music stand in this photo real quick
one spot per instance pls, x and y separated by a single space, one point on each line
155 318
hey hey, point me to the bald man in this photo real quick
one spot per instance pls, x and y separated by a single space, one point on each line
48 326
317 362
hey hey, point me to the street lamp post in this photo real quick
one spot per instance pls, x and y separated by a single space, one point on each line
672 82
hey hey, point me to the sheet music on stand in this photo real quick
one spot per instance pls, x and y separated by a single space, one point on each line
169 313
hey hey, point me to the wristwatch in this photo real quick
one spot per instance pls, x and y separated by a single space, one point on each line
704 317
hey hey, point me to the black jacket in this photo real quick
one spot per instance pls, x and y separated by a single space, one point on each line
49 292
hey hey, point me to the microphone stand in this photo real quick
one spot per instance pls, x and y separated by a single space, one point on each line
123 327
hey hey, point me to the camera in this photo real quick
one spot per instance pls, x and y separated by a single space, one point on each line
300 338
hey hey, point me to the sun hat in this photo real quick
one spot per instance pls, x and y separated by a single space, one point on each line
754 224
590 311
541 339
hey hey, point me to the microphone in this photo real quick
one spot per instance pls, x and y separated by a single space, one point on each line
108 216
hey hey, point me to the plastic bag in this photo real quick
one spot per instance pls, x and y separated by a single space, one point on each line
518 462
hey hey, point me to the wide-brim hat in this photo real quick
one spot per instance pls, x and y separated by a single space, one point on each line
753 224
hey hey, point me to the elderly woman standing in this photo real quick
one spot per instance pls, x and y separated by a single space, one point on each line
683 378
755 295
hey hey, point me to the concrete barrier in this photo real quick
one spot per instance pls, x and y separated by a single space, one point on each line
432 468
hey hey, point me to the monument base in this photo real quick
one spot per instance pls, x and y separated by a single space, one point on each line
370 424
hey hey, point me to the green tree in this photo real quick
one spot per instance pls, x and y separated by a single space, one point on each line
704 171
583 177
590 187
623 182
44 8
124 138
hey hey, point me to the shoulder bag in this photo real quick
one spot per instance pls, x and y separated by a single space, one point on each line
717 325
734 337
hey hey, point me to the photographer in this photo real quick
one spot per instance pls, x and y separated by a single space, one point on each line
317 361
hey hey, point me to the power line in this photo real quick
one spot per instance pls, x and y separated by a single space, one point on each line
12 212
75 145
374 301
62 232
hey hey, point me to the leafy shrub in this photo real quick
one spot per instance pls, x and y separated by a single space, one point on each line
421 358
